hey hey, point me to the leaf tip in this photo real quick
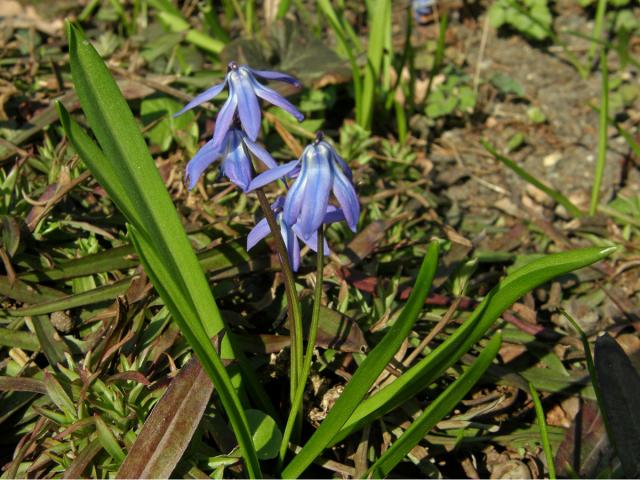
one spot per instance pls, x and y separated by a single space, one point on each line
605 252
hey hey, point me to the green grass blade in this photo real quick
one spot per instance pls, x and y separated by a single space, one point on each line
380 20
283 8
96 295
108 440
439 54
19 339
218 260
436 411
603 123
526 176
544 434
342 37
598 25
501 297
27 293
635 146
588 357
51 344
369 370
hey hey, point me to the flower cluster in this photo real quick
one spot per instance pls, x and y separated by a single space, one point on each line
316 174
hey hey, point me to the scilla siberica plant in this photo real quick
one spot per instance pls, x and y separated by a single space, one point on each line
300 215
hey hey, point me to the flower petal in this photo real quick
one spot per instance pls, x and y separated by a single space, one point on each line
312 241
345 168
260 153
208 154
236 165
225 116
203 97
333 215
279 76
277 205
293 247
272 175
276 99
257 233
248 106
295 196
347 198
319 180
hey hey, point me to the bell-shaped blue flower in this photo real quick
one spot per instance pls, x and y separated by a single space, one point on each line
291 234
321 171
236 162
244 90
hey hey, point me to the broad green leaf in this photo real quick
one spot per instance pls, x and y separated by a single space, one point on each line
369 370
134 175
437 409
501 297
266 434
132 179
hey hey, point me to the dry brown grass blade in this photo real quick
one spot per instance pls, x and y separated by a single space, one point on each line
82 461
168 430
22 384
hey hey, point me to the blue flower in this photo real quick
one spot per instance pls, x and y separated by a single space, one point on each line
422 9
244 91
321 171
291 234
236 162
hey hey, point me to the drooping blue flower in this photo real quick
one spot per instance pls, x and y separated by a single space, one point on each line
291 234
244 90
236 163
321 171
422 9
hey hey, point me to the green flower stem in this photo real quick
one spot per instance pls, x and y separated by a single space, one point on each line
296 405
293 304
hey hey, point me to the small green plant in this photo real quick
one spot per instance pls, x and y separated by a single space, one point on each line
529 17
453 96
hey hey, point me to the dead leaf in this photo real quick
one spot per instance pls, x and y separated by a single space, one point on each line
167 432
585 448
